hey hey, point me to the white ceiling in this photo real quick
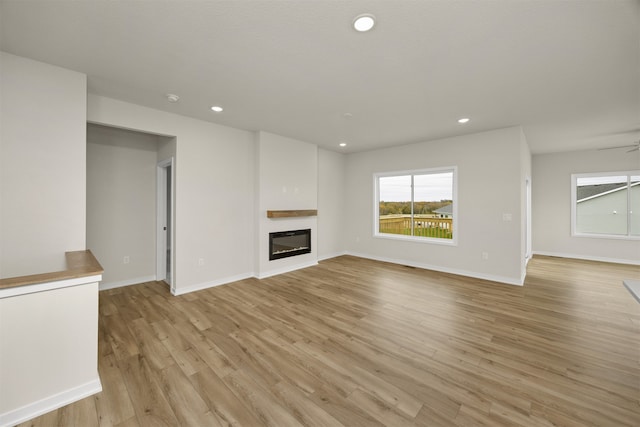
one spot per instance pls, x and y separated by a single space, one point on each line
567 71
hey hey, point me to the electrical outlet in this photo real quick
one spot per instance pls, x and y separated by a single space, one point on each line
200 261
485 255
126 260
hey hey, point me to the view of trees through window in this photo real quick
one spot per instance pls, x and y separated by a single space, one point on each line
418 204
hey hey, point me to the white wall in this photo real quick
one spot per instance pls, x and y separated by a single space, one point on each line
121 203
287 180
331 199
42 165
48 351
214 180
552 205
490 182
166 147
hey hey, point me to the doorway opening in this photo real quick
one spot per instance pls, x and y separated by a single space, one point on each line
165 223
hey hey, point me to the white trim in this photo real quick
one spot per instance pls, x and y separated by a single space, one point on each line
287 269
633 286
126 282
161 210
160 216
236 278
416 239
575 201
211 284
528 249
412 173
608 236
333 255
48 286
611 173
473 274
417 171
35 409
588 257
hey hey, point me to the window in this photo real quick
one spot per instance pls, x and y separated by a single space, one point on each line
416 205
606 205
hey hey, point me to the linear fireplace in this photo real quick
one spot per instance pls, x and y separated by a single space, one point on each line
284 244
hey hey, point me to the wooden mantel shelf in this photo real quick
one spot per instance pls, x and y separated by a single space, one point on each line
291 214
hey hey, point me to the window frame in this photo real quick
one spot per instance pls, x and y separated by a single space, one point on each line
398 237
574 205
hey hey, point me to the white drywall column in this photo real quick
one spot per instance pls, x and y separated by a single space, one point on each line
42 165
287 180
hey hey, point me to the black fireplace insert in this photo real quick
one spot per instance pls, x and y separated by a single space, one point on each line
284 244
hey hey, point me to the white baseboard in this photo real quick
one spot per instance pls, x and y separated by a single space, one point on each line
231 279
475 275
127 282
211 284
287 269
333 255
524 274
588 258
35 409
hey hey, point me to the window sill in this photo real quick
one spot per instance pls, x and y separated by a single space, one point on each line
403 238
605 236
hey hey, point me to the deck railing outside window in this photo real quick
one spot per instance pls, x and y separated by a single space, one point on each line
423 226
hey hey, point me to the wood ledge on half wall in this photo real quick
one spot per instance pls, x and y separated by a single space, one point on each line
79 264
292 213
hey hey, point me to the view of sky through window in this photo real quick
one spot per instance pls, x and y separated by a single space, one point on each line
428 188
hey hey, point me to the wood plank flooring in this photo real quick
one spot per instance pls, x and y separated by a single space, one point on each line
354 342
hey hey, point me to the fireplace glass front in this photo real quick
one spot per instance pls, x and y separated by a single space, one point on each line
284 244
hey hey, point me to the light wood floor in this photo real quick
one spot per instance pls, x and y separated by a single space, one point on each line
354 342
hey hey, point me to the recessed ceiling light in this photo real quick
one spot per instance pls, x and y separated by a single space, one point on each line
172 97
364 22
463 120
217 109
343 144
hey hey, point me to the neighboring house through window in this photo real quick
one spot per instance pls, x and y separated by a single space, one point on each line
606 205
445 211
416 205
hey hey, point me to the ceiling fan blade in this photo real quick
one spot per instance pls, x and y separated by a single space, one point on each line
628 131
634 149
619 146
